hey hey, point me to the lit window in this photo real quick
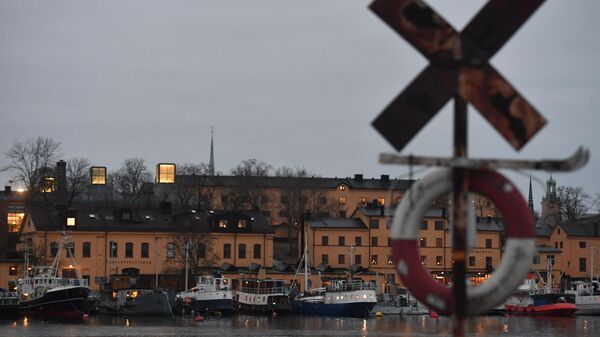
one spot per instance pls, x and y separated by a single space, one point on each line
223 223
342 200
373 259
12 270
98 175
381 201
165 173
342 187
438 260
424 260
241 223
70 222
362 201
47 185
14 218
170 250
390 259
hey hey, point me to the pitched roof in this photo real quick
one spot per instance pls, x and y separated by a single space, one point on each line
587 227
390 211
316 222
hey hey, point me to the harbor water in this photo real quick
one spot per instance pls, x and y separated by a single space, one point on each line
293 325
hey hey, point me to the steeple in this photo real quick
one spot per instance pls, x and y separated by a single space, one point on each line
530 201
211 163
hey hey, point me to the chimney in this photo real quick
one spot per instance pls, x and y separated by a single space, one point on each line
358 177
385 178
60 177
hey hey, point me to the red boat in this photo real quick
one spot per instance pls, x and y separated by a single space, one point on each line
551 304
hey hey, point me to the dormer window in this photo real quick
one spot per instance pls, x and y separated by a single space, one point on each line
165 173
342 187
47 185
70 222
223 223
241 223
98 175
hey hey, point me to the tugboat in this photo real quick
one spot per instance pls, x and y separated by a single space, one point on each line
9 303
42 292
211 294
541 302
353 298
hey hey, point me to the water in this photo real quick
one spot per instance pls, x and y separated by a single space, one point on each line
292 325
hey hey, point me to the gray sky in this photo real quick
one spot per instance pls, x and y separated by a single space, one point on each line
293 83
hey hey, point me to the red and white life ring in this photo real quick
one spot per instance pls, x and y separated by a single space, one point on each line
518 248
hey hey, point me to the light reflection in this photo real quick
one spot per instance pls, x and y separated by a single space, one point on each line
364 328
127 322
14 324
25 321
585 327
505 328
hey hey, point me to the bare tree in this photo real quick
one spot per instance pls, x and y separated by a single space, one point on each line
190 188
573 202
30 159
77 177
200 254
132 174
248 191
596 203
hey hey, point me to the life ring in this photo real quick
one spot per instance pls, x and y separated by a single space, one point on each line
518 249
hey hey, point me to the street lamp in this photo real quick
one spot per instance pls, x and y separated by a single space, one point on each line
186 249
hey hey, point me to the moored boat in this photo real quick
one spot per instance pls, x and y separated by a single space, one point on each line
587 297
9 303
256 295
209 295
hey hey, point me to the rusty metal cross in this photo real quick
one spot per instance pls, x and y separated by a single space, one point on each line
458 65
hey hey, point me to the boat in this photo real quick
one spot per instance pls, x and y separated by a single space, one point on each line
261 295
43 292
211 294
9 303
340 297
547 301
587 297
125 295
399 302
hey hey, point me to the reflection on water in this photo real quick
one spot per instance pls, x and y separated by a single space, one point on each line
303 326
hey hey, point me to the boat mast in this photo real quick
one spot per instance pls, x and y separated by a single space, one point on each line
305 258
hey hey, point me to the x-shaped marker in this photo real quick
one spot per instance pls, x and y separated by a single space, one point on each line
459 64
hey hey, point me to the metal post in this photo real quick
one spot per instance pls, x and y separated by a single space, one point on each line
187 254
460 215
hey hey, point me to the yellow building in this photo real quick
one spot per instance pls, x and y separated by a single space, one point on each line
107 241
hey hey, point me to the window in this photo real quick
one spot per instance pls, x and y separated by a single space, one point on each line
561 245
222 223
12 270
14 218
170 250
341 240
165 173
488 262
129 249
47 185
342 214
342 187
113 249
381 201
374 223
556 244
98 175
551 259
357 259
70 221
424 260
373 241
488 243
86 249
439 242
362 201
342 200
389 241
373 259
201 253
558 231
284 199
388 223
423 242
471 261
439 225
582 244
325 259
582 264
145 249
241 223
257 251
536 259
325 240
390 259
341 259
439 260
357 241
242 251
227 251
424 225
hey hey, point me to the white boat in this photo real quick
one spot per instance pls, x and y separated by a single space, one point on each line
261 295
43 292
587 297
209 295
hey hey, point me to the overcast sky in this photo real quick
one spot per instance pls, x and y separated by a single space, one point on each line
294 83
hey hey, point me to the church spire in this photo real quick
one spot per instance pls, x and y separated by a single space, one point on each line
211 163
530 201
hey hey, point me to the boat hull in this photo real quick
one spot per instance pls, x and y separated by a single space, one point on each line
267 304
67 302
223 305
556 309
357 309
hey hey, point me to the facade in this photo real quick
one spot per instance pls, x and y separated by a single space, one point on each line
12 212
